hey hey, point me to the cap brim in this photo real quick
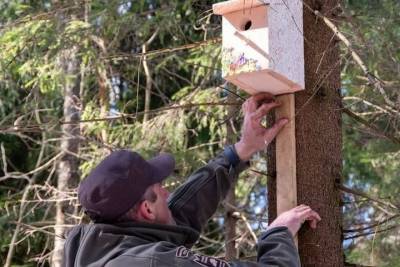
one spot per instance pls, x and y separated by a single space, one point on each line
163 165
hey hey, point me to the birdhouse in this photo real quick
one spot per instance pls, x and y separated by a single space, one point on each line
262 47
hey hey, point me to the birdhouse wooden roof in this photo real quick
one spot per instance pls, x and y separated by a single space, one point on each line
225 7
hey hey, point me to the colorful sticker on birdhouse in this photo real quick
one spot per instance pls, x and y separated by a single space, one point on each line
235 63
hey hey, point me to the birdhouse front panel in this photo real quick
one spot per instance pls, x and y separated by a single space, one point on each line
246 59
245 41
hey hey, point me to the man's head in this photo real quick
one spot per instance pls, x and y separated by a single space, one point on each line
123 182
151 208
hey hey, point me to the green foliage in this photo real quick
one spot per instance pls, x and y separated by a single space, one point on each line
26 54
371 161
186 118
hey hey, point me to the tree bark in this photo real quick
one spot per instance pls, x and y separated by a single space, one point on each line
230 220
68 166
271 172
319 139
318 142
104 90
149 79
104 83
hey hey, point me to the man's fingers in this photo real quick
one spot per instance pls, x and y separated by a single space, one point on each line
301 207
312 223
316 215
249 106
263 96
308 213
313 220
264 109
252 103
274 130
311 216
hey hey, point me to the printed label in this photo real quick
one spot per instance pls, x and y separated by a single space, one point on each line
202 260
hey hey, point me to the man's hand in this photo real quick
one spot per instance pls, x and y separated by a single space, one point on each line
294 218
255 137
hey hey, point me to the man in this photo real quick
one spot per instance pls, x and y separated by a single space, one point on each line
138 223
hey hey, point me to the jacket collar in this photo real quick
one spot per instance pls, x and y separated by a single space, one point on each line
149 232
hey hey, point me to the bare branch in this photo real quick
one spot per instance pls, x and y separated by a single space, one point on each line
360 229
362 194
371 232
123 116
149 79
378 84
369 125
157 52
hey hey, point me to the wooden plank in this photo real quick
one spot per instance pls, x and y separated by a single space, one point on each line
287 52
286 156
225 7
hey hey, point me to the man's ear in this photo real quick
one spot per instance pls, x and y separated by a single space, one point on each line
146 211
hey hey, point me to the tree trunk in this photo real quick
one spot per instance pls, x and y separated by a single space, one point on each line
271 173
230 220
105 86
149 79
68 165
104 90
319 139
318 142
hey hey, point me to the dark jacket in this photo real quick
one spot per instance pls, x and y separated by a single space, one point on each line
192 204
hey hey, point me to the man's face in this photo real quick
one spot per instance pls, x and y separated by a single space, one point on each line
161 210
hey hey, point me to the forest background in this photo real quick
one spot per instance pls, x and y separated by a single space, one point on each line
79 79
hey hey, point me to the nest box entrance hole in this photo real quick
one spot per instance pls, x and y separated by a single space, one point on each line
245 20
247 25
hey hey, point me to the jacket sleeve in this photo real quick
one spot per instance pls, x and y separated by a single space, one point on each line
276 248
193 203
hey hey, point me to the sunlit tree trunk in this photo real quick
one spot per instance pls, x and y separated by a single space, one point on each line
230 220
103 81
104 90
68 166
149 79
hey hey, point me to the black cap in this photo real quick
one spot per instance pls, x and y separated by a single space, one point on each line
119 182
